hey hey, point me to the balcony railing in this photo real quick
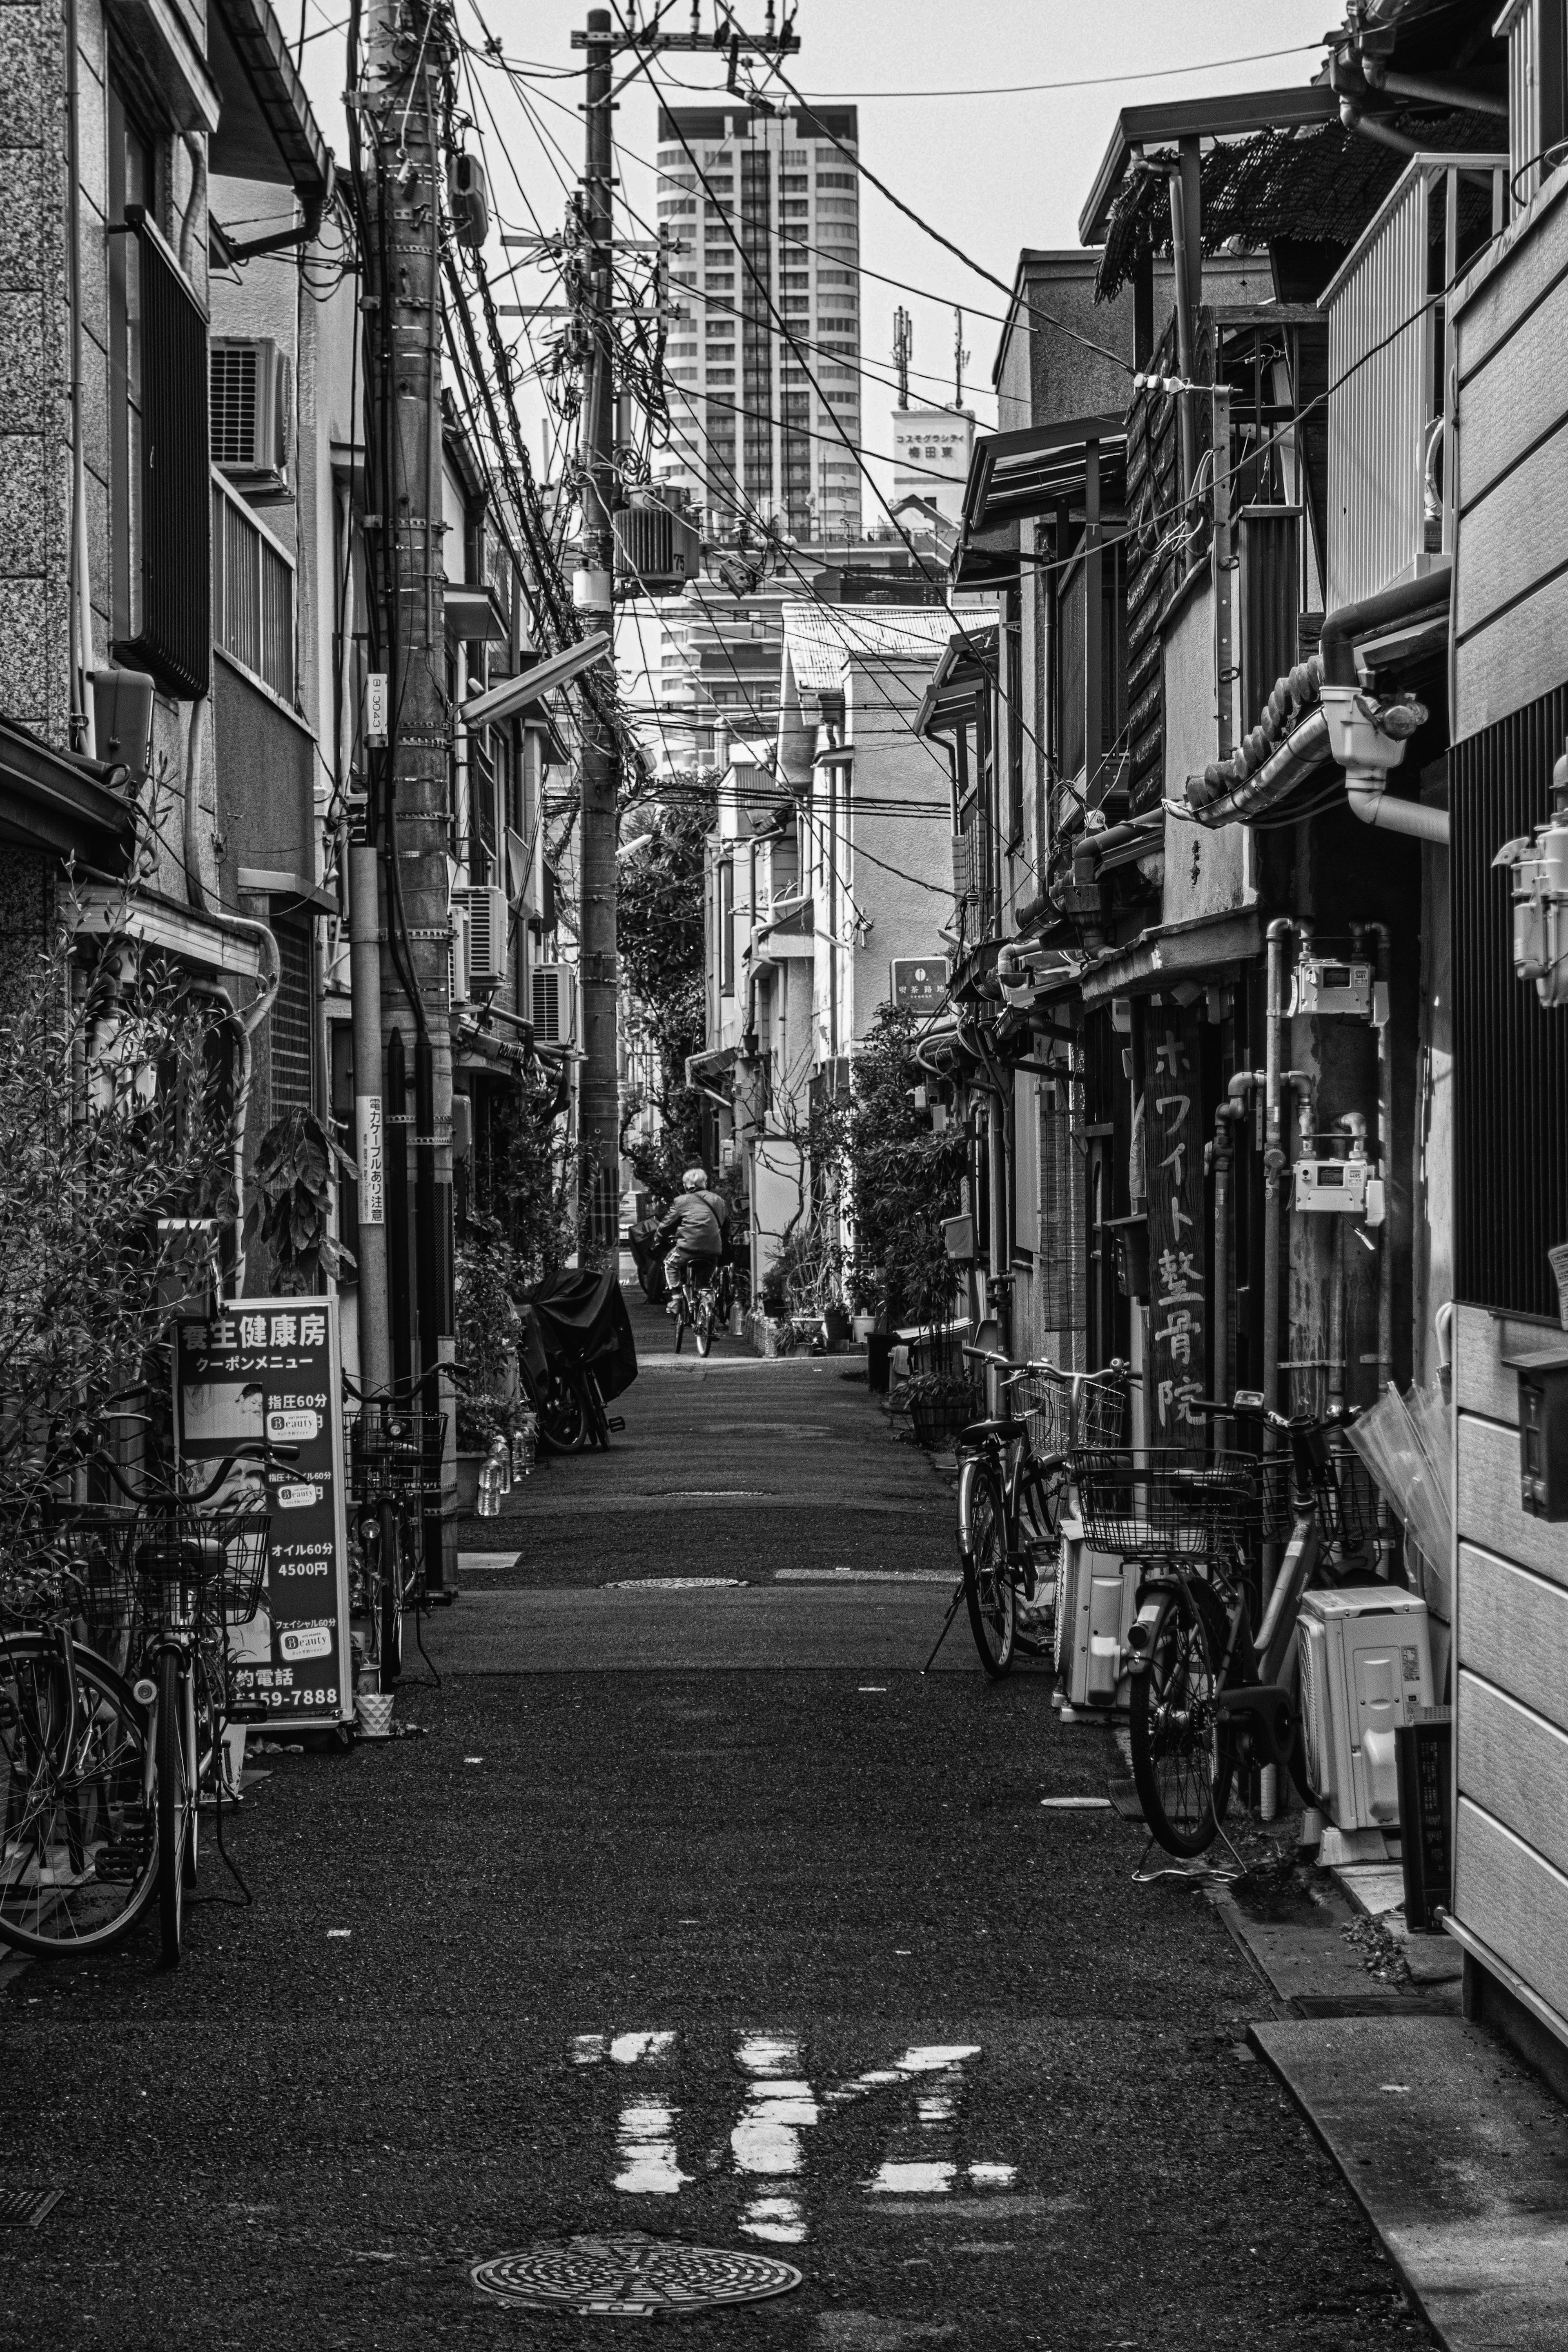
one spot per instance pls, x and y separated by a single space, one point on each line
253 591
1390 359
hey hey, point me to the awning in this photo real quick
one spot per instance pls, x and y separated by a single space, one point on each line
267 130
707 1069
53 801
965 672
172 929
1170 121
1013 476
1195 951
275 882
474 615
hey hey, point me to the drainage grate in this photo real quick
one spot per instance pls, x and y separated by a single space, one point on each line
630 2275
24 2208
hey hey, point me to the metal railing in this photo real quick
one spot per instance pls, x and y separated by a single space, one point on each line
253 591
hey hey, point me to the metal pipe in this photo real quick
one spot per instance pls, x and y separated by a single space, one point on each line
1274 1158
1187 416
82 582
1347 622
1369 798
370 1134
1380 933
1228 1114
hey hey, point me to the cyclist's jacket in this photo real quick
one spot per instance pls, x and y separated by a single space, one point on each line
691 1226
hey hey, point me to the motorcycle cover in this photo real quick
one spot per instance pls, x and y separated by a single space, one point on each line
583 1320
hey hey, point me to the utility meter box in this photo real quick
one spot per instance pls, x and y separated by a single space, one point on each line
1325 986
1345 1188
1096 1601
1542 1431
1365 1656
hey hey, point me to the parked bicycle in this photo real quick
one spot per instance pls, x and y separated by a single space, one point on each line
394 1445
1207 1692
102 1775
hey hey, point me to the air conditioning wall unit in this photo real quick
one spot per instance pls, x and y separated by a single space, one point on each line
1365 1656
486 916
246 380
555 1004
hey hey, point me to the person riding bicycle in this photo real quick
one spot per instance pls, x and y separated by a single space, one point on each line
692 1229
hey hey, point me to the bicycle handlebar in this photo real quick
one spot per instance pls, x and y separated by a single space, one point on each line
223 1470
404 1391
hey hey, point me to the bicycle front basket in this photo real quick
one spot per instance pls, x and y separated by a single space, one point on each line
218 1555
395 1449
1165 1501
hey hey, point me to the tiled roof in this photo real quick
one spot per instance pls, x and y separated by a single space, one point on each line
823 640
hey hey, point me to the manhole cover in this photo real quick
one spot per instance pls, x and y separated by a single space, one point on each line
673 1583
24 2208
630 2275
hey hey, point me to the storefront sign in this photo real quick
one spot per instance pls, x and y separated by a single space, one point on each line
919 983
1174 1151
273 1364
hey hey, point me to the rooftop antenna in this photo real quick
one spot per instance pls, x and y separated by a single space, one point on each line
903 345
960 357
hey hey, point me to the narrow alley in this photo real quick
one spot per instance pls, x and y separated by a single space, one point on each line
694 1911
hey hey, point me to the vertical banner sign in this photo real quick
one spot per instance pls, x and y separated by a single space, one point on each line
370 1158
273 1364
1173 1147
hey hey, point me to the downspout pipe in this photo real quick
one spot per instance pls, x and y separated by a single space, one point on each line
1346 622
1283 929
1228 1115
1378 933
1364 754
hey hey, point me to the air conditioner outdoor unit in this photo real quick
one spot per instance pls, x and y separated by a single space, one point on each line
457 958
555 1004
484 907
1365 1656
245 413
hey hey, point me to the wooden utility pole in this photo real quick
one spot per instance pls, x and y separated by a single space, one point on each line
410 790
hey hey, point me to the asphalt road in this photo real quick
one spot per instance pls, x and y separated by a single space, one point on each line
694 1911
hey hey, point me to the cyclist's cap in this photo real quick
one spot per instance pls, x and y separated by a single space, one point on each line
694 1179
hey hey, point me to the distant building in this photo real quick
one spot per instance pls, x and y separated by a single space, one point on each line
930 458
768 217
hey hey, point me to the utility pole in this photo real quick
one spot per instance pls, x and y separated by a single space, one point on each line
409 802
960 357
903 349
598 1131
593 586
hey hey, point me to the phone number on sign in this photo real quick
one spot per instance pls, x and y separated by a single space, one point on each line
299 1698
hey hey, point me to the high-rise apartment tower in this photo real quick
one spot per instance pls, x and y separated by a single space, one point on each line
777 222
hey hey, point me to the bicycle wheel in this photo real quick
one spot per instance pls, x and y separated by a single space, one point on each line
561 1416
988 1593
1040 1518
594 1406
177 1802
1181 1759
78 1845
390 1563
702 1320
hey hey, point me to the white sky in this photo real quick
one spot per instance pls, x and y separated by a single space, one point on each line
993 172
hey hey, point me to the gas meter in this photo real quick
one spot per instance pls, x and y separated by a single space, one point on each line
1345 1188
1325 986
1541 896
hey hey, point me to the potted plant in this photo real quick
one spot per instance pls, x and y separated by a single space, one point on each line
487 1318
939 1405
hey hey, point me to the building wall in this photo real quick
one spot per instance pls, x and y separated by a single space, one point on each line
1511 1569
930 456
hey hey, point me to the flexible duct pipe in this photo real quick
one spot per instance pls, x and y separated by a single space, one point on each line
1371 800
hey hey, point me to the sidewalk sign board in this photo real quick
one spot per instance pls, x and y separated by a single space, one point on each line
293 1661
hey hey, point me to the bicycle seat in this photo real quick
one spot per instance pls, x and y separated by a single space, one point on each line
1003 1430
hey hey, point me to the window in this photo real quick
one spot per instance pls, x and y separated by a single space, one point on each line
253 593
160 537
836 179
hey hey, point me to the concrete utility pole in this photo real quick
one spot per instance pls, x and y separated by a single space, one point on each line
599 1094
409 802
903 348
593 586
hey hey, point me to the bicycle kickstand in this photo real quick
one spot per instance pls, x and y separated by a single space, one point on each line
946 1626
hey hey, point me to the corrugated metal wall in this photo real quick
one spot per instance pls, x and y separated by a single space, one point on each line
1378 414
1510 1056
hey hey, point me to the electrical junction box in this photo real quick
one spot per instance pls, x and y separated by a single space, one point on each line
1096 1601
1345 1188
1366 1658
1325 986
1542 1431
